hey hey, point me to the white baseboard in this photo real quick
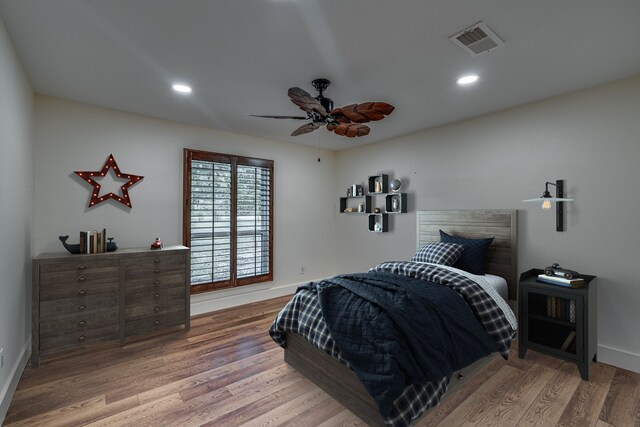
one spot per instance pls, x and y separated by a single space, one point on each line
619 358
219 300
9 388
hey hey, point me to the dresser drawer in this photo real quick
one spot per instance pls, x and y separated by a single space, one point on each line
154 270
57 308
96 275
154 323
77 289
154 295
78 265
156 260
158 282
80 322
135 312
79 339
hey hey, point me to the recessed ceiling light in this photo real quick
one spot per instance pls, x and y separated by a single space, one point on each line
467 80
182 88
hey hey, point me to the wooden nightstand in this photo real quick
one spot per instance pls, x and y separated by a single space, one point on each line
558 321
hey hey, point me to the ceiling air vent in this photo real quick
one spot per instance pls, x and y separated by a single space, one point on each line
477 39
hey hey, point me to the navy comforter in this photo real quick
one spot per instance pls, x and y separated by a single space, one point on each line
396 330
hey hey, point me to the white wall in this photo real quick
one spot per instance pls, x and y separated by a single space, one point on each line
590 138
71 136
16 201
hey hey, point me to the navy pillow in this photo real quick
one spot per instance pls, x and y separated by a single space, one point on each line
474 254
439 253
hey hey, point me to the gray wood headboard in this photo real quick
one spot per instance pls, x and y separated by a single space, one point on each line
502 255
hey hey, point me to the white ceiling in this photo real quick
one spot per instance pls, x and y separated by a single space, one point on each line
241 56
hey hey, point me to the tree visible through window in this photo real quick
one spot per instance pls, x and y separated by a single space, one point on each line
228 219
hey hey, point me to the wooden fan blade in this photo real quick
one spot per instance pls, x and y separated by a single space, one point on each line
305 101
305 128
363 113
350 130
281 117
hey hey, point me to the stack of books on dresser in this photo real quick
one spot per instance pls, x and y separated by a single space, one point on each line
561 281
93 242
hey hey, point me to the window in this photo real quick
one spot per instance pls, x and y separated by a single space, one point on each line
228 219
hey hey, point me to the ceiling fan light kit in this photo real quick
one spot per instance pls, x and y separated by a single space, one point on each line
346 121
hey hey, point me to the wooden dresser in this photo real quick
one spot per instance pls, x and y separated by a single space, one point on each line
82 300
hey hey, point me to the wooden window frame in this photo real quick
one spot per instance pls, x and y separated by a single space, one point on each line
234 161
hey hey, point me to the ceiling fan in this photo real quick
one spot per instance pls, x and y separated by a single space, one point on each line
346 121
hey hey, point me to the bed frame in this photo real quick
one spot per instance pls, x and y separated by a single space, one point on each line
340 382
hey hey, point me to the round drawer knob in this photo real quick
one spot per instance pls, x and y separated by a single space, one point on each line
156 322
157 282
82 307
82 267
81 279
82 292
156 309
157 295
157 270
82 323
157 260
81 338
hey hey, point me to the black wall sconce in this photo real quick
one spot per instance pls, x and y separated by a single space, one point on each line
546 200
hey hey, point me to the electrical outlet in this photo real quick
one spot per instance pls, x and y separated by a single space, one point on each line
301 269
1 357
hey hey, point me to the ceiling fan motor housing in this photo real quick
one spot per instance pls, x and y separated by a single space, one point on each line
321 85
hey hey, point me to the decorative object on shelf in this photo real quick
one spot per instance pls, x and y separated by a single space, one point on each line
378 183
360 207
360 190
349 192
379 223
111 245
556 270
395 204
395 185
547 200
95 194
376 210
346 121
157 244
72 248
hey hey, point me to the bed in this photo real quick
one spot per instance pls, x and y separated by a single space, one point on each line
338 380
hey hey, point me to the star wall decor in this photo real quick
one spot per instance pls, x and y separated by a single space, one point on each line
95 194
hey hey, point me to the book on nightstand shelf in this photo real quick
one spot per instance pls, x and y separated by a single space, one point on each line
570 338
561 281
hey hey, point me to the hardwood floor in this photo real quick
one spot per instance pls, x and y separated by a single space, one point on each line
227 372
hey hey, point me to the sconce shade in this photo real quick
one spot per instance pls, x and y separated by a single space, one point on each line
546 200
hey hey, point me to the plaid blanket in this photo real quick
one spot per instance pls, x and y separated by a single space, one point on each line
303 316
490 315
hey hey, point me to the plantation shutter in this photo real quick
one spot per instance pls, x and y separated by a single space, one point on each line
210 222
228 219
253 221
